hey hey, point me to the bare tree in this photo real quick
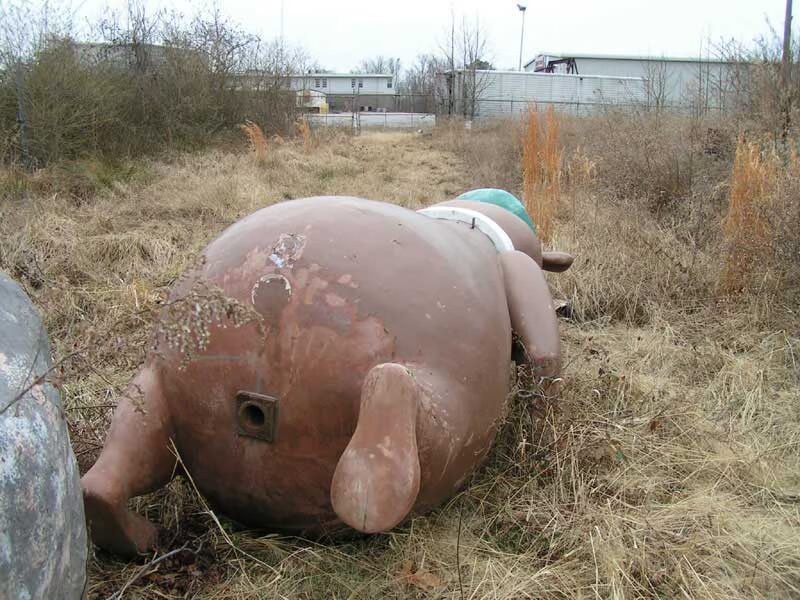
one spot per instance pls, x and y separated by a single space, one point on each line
27 25
464 54
448 50
754 85
473 50
657 84
379 64
420 86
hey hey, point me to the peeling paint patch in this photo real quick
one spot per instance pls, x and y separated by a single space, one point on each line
386 447
315 285
287 250
347 279
334 300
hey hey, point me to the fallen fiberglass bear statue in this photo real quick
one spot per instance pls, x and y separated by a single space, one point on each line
331 360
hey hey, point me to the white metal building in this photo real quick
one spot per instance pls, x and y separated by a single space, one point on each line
367 92
671 82
497 93
345 83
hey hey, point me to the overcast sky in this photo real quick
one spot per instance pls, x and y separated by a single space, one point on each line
338 34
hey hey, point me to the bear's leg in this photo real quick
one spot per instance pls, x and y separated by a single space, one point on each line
533 316
136 459
377 479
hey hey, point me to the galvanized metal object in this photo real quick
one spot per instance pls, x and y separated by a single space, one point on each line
330 364
257 415
42 528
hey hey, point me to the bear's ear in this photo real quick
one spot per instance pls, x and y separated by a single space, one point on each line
557 262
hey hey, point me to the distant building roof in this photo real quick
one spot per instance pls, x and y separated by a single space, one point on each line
536 74
343 75
628 57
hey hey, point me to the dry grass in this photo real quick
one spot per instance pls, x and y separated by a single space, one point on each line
256 139
747 231
489 149
669 468
541 170
304 131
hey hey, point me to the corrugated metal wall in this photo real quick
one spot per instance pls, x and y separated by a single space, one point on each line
673 82
499 93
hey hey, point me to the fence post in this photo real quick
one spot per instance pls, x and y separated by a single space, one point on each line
22 118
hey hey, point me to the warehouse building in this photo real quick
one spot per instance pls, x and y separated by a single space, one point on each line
670 82
477 93
585 84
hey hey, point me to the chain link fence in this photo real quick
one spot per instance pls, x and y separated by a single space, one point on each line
420 111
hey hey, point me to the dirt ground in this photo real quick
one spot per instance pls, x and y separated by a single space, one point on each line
668 468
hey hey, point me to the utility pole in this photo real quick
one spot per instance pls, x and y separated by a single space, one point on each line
22 118
522 33
281 24
451 83
786 71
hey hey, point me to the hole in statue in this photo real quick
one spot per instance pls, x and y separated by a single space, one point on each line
252 415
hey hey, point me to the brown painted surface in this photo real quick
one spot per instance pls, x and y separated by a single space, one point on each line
533 316
377 478
557 262
340 286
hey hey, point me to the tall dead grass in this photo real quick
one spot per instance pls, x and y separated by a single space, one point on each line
541 171
747 228
256 140
304 130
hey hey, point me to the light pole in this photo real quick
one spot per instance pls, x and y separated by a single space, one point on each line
522 34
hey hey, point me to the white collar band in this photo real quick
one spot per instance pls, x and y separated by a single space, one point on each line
477 220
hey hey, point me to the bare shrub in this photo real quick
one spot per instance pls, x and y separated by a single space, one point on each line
155 81
649 156
580 169
760 101
783 218
69 111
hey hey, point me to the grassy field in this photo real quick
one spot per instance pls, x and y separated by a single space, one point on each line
669 467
